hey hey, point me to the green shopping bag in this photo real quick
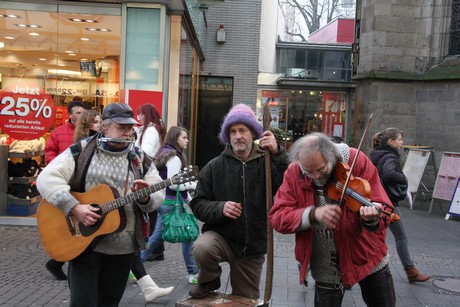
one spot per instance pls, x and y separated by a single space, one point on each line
179 225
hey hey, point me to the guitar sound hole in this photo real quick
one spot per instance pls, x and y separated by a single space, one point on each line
89 230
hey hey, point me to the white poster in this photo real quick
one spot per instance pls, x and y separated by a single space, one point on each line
274 114
414 167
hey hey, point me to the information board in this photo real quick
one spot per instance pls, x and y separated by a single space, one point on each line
448 174
414 167
454 207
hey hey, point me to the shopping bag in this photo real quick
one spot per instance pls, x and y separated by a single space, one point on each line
179 225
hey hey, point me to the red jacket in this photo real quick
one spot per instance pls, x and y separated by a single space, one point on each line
359 249
60 139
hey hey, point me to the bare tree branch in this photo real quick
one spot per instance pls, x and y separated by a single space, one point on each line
313 13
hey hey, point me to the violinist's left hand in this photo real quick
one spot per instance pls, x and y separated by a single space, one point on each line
268 140
369 214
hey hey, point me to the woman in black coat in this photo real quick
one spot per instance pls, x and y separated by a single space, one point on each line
385 157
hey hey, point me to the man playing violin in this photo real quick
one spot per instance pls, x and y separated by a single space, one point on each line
341 246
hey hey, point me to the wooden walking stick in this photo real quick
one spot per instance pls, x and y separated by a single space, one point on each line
269 197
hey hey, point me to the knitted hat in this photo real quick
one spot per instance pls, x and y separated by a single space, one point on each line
239 114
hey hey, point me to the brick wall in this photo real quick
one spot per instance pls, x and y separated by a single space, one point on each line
238 57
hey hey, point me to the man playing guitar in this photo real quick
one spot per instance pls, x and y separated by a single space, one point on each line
98 274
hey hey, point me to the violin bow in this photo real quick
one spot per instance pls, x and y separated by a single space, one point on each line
358 149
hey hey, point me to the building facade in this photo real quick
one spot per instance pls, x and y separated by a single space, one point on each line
407 71
100 52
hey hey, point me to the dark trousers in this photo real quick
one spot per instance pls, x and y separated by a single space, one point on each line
55 263
137 267
210 249
97 279
377 290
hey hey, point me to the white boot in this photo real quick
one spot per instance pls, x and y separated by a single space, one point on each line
151 290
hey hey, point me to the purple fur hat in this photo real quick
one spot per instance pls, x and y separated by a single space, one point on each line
239 114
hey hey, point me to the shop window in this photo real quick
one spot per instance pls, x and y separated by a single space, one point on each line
66 52
315 64
143 62
300 112
337 66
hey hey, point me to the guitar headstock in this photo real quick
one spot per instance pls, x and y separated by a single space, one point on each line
189 173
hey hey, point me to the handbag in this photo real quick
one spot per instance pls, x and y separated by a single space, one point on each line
179 225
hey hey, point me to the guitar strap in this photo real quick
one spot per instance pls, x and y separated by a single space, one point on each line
82 151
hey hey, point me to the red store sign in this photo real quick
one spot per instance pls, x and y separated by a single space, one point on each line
26 112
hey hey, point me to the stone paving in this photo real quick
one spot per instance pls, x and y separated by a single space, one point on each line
434 244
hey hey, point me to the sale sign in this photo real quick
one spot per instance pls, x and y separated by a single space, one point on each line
26 112
61 116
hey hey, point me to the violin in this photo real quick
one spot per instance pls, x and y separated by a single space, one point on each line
357 192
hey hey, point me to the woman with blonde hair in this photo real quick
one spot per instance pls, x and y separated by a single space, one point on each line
88 124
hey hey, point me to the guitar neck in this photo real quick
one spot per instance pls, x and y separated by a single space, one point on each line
129 198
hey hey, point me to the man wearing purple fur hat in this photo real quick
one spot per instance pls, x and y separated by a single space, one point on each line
230 200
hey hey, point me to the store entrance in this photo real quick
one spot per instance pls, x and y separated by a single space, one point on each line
214 104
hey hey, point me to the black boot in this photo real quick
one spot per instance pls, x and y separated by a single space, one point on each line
156 257
55 268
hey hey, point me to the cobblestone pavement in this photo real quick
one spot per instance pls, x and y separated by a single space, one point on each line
434 244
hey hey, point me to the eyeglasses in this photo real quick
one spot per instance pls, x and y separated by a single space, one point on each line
320 170
123 128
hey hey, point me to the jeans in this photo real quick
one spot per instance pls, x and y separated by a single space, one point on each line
399 232
377 290
155 240
328 297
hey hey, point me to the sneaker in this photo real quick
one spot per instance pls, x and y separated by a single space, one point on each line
200 291
193 279
55 268
131 276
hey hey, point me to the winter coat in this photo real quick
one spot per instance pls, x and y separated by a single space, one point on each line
150 140
168 155
386 159
227 178
360 250
60 139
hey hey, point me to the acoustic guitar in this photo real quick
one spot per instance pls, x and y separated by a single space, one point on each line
64 237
